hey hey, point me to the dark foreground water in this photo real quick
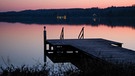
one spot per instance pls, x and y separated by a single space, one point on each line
23 43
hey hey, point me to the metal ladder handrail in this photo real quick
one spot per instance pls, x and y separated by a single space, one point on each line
62 33
81 35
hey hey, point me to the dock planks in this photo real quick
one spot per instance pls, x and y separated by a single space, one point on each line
110 51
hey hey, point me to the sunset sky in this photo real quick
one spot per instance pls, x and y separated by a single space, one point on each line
18 5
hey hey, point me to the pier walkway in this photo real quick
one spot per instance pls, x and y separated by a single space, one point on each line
104 49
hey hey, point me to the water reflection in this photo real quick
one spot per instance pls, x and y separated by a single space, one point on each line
23 43
63 20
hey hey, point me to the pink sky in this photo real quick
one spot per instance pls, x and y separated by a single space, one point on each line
17 5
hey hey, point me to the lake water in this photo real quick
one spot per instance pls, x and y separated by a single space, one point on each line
23 43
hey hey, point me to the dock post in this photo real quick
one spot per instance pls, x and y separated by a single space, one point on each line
44 43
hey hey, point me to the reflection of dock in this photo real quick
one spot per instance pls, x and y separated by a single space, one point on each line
70 50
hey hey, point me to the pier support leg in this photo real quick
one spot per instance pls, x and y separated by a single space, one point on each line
44 44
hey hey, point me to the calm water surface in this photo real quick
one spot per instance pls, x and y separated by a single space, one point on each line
23 43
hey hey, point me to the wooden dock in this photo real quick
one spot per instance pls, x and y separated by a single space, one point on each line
103 49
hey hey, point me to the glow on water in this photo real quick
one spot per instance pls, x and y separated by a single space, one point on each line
23 43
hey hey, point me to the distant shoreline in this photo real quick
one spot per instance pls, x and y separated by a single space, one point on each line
74 12
112 16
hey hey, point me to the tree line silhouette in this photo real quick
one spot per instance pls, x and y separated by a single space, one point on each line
76 12
111 16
